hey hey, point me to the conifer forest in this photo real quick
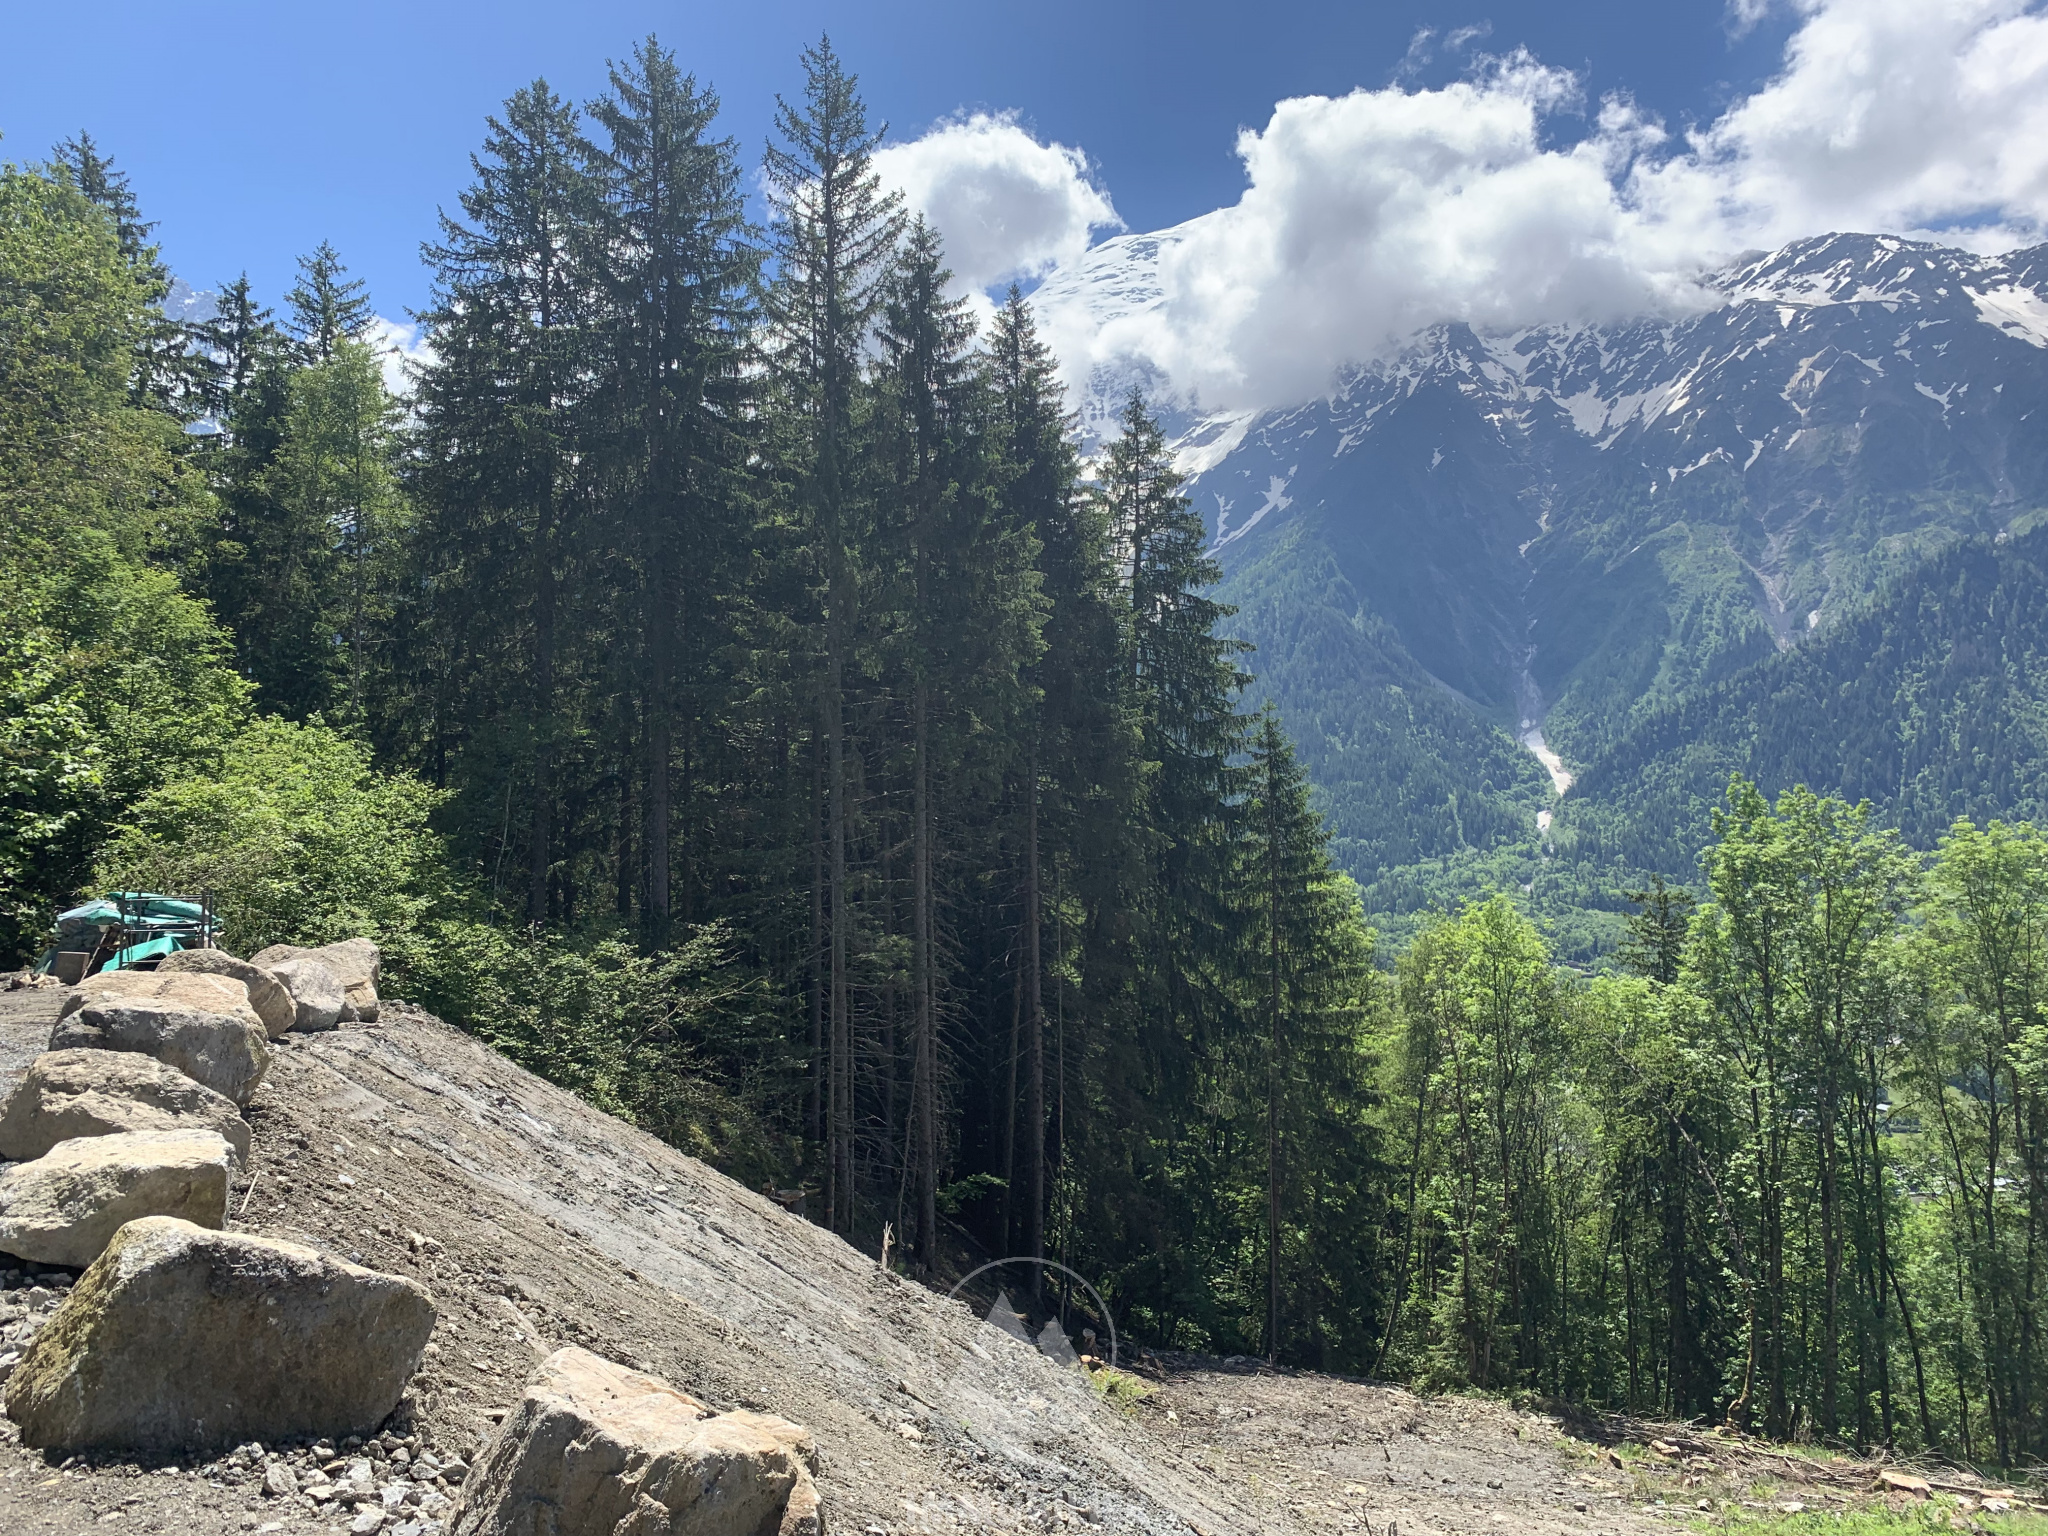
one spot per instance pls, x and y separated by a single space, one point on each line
720 679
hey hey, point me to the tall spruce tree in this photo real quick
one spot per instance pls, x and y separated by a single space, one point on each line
835 231
676 277
1071 762
1309 959
504 409
79 163
970 631
1163 919
165 373
232 342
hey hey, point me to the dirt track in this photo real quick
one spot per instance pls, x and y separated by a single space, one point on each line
537 1221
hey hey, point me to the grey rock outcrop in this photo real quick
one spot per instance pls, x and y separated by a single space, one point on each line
201 1025
593 1446
273 1004
66 1206
181 1338
316 993
358 964
67 1094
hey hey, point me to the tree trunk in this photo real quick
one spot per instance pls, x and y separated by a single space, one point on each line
840 1192
657 690
1831 1262
814 962
1008 1226
1678 1333
924 1079
1034 1032
1274 1069
539 853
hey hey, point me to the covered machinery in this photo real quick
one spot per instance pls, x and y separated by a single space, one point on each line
127 930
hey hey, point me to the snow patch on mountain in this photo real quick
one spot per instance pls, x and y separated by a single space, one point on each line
2016 311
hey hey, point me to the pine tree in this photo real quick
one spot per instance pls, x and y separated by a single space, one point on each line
232 341
1656 930
677 274
1161 915
505 408
835 231
1072 710
328 307
318 532
167 375
1307 948
969 631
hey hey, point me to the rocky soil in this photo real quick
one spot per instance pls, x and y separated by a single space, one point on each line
537 1221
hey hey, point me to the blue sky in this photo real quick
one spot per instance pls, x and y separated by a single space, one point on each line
253 131
1337 176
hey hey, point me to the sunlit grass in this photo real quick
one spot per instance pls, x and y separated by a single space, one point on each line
1937 1514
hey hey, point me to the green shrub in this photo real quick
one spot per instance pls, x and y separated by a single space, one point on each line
298 839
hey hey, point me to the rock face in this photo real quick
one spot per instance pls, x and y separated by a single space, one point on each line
267 995
357 964
317 998
185 1023
179 1338
595 1447
67 1094
66 1206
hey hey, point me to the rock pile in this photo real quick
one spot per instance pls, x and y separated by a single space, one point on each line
273 1004
395 1485
67 1094
126 1135
26 1304
201 1025
355 964
181 1336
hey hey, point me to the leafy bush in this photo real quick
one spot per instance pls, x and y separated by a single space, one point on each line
298 838
301 840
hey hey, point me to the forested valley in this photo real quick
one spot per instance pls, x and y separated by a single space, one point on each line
719 682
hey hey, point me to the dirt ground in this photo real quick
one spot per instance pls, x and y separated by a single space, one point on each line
537 1221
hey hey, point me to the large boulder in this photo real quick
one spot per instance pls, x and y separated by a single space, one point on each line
317 997
357 964
66 1206
201 1025
66 1094
180 1338
593 1446
196 992
267 995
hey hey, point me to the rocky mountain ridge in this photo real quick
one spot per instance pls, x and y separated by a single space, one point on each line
1561 531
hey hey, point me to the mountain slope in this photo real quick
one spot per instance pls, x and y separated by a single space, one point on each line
1580 528
1931 701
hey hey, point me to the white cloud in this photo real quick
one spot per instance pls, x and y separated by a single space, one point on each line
1370 215
1008 207
401 348
1743 15
1899 115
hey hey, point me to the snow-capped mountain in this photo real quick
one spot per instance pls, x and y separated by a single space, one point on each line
1586 521
1840 370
